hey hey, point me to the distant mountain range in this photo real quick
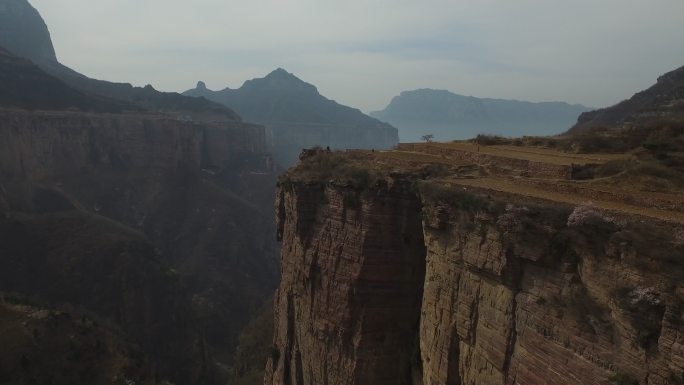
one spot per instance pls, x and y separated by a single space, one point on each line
449 116
298 116
24 85
24 33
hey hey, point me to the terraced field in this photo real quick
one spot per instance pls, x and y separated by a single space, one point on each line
531 154
516 170
529 190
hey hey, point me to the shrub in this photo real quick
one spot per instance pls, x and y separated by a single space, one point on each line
676 379
647 296
646 313
435 170
454 196
587 214
612 168
513 217
323 166
600 141
489 140
654 169
620 378
584 171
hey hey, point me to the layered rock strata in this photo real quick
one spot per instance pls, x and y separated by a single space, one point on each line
39 145
347 310
507 290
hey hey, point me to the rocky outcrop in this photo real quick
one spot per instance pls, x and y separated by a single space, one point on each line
507 290
297 116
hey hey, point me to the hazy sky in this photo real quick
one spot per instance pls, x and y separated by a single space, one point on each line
364 52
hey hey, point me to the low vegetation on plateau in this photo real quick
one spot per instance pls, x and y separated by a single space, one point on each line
321 166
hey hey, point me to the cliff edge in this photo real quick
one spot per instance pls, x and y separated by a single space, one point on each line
408 267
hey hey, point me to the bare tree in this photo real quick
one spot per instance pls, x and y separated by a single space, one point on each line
428 137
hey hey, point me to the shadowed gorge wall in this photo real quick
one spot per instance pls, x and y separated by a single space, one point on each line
192 194
348 305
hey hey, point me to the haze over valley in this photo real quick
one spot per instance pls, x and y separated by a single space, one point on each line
266 228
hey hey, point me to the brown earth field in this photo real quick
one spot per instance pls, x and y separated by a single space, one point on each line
538 173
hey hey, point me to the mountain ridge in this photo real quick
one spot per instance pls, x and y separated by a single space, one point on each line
279 81
663 100
298 116
25 85
449 116
24 33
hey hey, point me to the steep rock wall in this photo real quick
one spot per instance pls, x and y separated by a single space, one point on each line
187 188
515 296
515 291
53 144
348 307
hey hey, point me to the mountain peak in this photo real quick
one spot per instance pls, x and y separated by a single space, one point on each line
24 32
201 85
281 75
280 81
280 72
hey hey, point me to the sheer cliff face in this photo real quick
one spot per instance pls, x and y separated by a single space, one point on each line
403 286
56 144
191 194
518 297
347 310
